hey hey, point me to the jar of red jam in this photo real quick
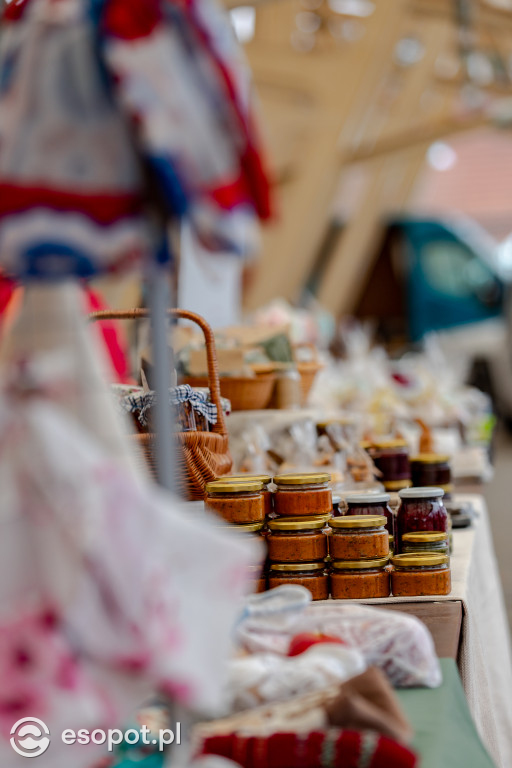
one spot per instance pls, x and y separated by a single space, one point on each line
236 502
359 579
265 479
421 574
336 506
425 541
297 540
302 494
432 469
371 504
421 509
358 537
391 457
313 576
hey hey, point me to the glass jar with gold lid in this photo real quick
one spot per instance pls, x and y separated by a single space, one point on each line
425 541
358 537
237 502
297 539
432 469
300 494
313 576
265 479
420 574
359 579
391 457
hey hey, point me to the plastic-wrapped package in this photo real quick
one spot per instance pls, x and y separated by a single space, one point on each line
265 677
397 643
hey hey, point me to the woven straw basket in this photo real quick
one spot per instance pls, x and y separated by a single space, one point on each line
244 393
200 456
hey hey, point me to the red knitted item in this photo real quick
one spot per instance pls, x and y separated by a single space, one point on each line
318 749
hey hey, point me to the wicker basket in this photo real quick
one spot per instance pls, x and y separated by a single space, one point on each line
200 456
245 393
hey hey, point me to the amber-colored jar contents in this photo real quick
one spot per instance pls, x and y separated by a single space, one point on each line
297 540
420 574
358 537
313 576
371 504
236 502
265 479
302 494
359 579
425 541
432 469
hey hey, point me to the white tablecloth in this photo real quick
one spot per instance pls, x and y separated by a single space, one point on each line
485 659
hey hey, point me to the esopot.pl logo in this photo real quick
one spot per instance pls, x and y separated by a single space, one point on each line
30 737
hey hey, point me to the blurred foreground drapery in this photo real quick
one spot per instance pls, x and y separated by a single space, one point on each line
110 591
115 115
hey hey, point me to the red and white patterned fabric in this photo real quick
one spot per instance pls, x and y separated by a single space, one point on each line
110 590
318 749
112 109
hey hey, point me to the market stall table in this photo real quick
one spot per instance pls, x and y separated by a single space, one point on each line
444 733
470 625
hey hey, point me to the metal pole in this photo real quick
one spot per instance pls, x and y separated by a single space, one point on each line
158 301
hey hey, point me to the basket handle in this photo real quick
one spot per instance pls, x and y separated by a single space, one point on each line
211 354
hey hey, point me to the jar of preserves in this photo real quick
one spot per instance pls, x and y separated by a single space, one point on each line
297 540
265 479
302 494
421 509
184 417
313 576
359 579
236 502
420 574
391 457
425 541
358 537
371 504
432 469
391 543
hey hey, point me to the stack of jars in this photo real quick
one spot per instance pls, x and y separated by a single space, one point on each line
359 553
244 501
421 564
297 538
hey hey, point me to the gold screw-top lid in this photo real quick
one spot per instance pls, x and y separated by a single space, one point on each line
224 486
359 565
298 523
265 479
419 560
396 442
244 527
430 458
425 536
306 478
297 566
358 521
397 485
